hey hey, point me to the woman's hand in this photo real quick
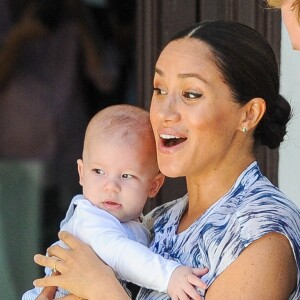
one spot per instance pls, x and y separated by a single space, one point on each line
48 293
82 273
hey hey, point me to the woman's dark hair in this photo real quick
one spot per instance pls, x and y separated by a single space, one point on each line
248 65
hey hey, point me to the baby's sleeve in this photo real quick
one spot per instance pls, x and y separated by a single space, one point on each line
131 260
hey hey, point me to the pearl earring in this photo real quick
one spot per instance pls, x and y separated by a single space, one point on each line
244 129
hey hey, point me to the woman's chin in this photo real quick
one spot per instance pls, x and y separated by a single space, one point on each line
170 172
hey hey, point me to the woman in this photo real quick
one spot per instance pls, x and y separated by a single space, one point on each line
216 97
290 11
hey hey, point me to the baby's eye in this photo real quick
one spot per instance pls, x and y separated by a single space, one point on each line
127 176
192 95
99 171
158 91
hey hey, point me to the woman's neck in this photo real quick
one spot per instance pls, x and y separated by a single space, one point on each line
206 189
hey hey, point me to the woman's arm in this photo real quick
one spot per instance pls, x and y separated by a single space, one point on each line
265 270
82 272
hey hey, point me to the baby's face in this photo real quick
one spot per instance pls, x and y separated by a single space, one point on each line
118 177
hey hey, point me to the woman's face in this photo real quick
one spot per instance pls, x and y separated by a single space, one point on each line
192 111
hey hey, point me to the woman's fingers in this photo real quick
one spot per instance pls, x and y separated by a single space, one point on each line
48 293
48 281
42 260
49 261
75 264
71 297
69 239
58 251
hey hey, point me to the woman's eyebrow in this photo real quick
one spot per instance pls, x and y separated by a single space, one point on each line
193 75
183 75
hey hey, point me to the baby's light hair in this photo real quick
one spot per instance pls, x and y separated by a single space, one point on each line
130 124
122 120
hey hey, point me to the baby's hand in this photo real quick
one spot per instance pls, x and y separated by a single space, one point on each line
183 283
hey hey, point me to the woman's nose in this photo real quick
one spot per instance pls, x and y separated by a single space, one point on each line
169 110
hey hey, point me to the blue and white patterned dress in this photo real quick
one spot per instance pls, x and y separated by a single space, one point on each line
252 208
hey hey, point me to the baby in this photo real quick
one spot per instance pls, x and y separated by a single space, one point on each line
118 173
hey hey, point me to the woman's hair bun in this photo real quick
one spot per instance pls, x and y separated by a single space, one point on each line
273 127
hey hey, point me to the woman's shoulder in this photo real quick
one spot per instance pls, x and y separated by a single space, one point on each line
255 199
265 201
252 212
262 208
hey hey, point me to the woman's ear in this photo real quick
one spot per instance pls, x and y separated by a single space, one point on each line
156 184
80 170
254 111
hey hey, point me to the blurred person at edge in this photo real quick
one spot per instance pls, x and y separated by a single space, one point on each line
290 11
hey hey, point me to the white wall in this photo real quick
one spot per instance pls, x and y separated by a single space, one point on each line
289 163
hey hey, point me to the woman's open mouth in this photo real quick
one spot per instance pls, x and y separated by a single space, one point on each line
169 140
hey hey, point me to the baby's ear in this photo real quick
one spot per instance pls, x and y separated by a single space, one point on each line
80 171
156 184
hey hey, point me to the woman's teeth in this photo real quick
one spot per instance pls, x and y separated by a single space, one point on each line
170 140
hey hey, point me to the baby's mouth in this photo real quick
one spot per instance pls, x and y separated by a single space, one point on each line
111 204
170 140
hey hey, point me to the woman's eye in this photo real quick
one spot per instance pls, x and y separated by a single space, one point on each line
192 95
99 171
127 176
159 91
